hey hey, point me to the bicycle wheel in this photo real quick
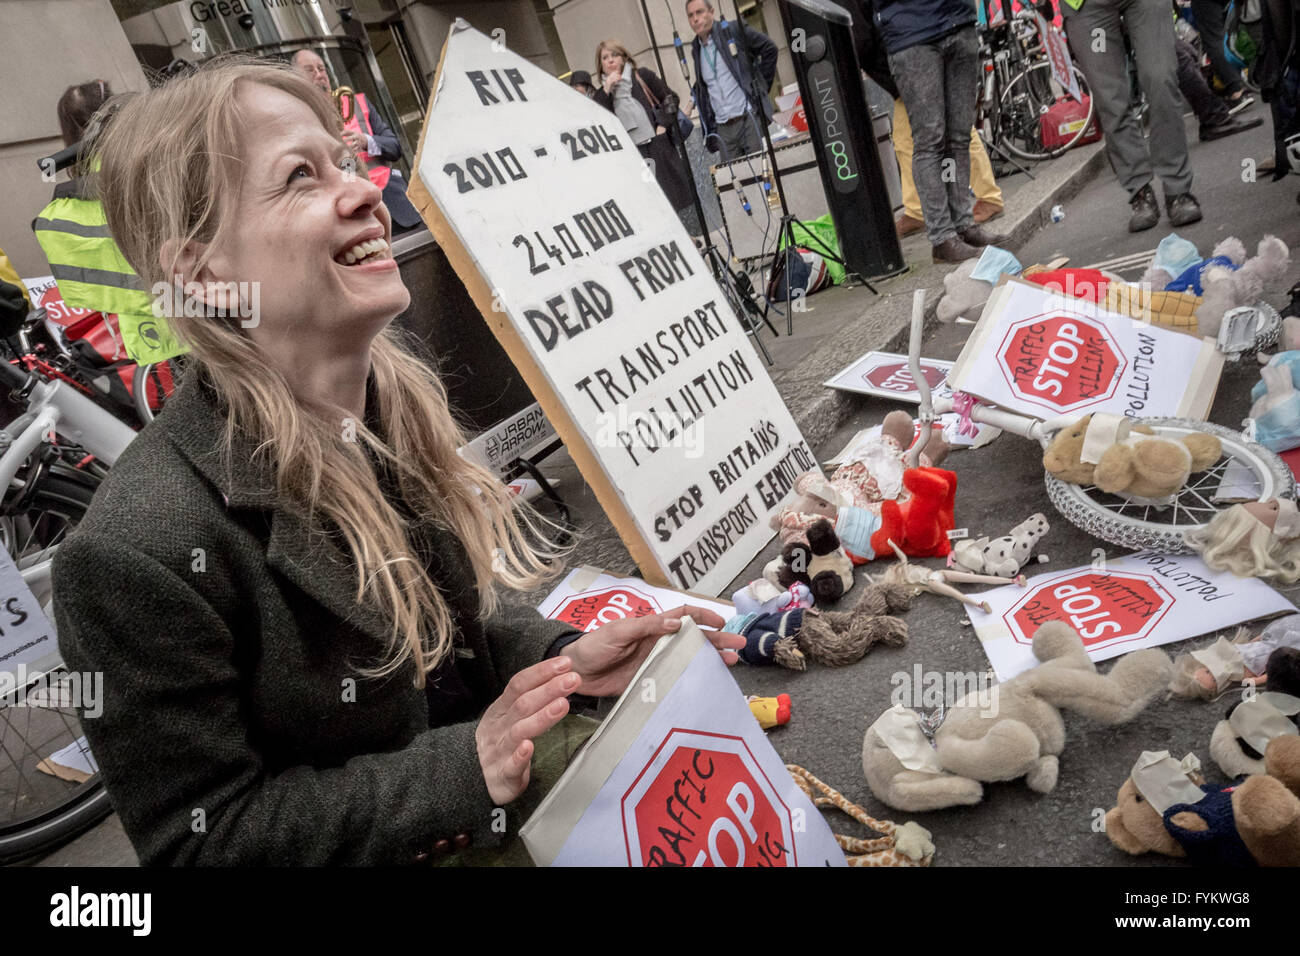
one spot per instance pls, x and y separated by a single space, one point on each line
1130 525
153 384
1029 95
39 810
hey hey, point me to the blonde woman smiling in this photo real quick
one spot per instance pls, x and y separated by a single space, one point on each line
290 580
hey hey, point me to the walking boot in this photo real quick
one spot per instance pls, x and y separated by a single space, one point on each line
1183 209
1146 210
979 236
954 250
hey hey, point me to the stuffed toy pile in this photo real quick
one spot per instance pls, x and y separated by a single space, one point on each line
1227 279
1019 732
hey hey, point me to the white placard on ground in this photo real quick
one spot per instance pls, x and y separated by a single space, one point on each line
886 375
679 774
1043 354
1141 600
588 598
578 263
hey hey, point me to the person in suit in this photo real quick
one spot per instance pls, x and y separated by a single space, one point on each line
647 108
724 81
368 134
309 648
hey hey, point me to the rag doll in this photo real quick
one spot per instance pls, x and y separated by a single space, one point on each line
1257 539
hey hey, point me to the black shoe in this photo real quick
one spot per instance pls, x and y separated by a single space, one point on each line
1146 210
1239 104
954 250
978 236
1183 210
1228 127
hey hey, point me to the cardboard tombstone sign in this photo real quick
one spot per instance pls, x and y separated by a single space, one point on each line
578 263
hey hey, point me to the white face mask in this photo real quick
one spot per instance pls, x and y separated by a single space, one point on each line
1288 519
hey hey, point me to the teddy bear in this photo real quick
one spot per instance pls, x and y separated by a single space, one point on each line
963 296
1227 279
1120 457
1234 755
1003 556
1013 730
832 639
1255 822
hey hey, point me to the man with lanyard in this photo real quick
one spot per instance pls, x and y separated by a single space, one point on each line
374 142
724 81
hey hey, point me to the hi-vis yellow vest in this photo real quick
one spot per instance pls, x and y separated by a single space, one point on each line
92 274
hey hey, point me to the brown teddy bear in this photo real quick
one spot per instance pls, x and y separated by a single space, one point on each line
1257 821
1120 457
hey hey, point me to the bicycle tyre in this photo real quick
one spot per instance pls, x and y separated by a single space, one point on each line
1024 87
87 803
1101 515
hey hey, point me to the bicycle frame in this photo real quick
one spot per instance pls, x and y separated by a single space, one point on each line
1038 430
56 407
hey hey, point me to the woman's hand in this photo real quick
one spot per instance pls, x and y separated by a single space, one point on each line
608 81
659 130
533 703
607 657
356 142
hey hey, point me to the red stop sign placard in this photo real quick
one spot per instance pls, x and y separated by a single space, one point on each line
58 310
1061 361
1105 608
897 377
703 800
591 609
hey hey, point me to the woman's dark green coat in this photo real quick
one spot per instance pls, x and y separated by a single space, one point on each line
236 728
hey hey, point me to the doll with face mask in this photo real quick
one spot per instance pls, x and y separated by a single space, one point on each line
1258 539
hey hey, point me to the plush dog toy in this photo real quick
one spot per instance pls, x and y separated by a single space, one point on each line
1118 457
1016 731
832 639
1003 556
1234 754
1254 822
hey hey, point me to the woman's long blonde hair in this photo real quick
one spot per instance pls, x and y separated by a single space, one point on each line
170 167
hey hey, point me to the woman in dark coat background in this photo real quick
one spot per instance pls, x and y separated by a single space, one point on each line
648 111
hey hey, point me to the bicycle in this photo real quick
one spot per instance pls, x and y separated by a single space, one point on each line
54 454
1019 88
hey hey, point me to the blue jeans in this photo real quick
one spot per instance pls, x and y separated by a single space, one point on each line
939 84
